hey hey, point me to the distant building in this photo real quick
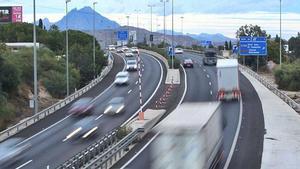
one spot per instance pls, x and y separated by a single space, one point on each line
19 45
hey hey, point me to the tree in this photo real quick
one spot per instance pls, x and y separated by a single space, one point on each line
294 45
277 39
230 45
226 45
41 25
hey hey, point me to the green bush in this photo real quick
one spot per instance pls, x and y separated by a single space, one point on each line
176 63
7 111
288 77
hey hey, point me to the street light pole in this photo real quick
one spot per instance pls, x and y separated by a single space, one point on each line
127 20
280 47
164 1
94 42
151 7
173 34
35 97
67 48
182 24
137 23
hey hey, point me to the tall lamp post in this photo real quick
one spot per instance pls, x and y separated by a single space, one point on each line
182 24
94 41
164 1
137 23
280 47
67 48
35 97
151 7
127 17
173 34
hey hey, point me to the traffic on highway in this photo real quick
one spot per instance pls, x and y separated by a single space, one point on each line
135 84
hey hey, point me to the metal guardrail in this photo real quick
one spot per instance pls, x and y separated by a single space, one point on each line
293 104
50 110
96 149
110 157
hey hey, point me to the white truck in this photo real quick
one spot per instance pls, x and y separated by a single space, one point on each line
190 137
228 79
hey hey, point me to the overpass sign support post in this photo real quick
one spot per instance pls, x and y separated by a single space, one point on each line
257 63
141 113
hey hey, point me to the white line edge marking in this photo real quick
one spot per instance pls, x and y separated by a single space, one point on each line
99 117
235 137
139 152
154 137
158 85
24 164
24 141
129 91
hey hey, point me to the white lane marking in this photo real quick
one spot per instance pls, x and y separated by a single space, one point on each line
99 117
48 167
136 82
138 153
159 83
204 70
235 137
69 115
150 141
209 83
211 93
129 91
24 164
207 75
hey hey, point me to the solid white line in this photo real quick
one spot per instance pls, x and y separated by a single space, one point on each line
235 137
99 117
185 86
129 91
68 115
24 164
158 85
209 83
139 152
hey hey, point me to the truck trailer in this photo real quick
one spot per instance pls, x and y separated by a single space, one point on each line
191 137
228 79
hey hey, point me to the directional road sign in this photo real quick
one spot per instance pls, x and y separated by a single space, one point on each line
253 46
122 35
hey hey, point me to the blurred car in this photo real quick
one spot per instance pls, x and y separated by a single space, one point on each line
122 78
83 129
119 50
178 51
115 106
82 106
188 63
11 151
131 65
129 53
135 50
125 48
111 47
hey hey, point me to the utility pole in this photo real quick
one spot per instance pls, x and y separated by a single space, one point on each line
173 34
280 47
94 42
182 24
164 1
35 97
137 23
151 6
67 48
128 20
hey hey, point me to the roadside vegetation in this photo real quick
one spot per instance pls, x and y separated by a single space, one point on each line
16 67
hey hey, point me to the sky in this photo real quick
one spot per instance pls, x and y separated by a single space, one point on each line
199 16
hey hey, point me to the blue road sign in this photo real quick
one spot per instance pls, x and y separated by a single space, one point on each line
253 46
123 35
205 43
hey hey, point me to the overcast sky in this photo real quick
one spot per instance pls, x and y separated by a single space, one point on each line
200 16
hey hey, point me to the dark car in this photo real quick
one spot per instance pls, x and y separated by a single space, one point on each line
82 106
115 106
210 58
188 63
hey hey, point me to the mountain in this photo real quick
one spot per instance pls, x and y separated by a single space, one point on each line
47 23
216 38
169 32
82 19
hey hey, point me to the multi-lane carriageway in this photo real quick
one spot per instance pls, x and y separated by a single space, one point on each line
46 137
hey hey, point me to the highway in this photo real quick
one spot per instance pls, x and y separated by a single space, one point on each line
202 87
48 148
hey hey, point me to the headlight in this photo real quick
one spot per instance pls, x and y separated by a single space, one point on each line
120 109
108 109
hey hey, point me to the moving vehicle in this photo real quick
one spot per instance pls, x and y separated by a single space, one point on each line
125 49
115 106
131 65
111 47
189 137
210 58
228 79
135 50
128 53
83 129
12 150
188 63
122 78
82 106
178 51
119 50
